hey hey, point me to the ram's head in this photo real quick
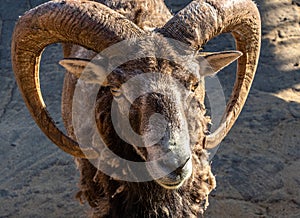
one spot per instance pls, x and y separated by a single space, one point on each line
165 117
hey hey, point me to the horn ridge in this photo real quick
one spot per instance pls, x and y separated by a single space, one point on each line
79 22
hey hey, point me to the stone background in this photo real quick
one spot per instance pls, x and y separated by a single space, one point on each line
257 166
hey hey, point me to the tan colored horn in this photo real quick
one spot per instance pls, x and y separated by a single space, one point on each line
86 23
202 20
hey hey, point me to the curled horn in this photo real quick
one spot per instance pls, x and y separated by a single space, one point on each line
202 20
86 23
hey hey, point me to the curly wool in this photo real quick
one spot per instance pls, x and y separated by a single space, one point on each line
112 198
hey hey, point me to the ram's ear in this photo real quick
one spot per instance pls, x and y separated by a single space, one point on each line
85 70
212 62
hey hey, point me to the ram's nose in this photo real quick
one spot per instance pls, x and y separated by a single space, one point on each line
182 168
171 172
176 178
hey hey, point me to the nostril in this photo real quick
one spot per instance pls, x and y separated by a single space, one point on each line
180 170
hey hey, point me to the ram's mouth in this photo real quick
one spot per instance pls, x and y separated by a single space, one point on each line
170 185
176 178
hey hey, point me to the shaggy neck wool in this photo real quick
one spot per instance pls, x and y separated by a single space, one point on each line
111 198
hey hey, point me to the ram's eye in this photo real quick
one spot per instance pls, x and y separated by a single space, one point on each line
115 92
194 86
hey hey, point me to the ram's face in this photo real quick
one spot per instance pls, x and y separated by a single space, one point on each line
157 107
152 110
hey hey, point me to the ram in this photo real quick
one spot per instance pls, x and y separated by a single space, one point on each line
133 96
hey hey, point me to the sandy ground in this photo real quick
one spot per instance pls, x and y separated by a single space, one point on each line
257 166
